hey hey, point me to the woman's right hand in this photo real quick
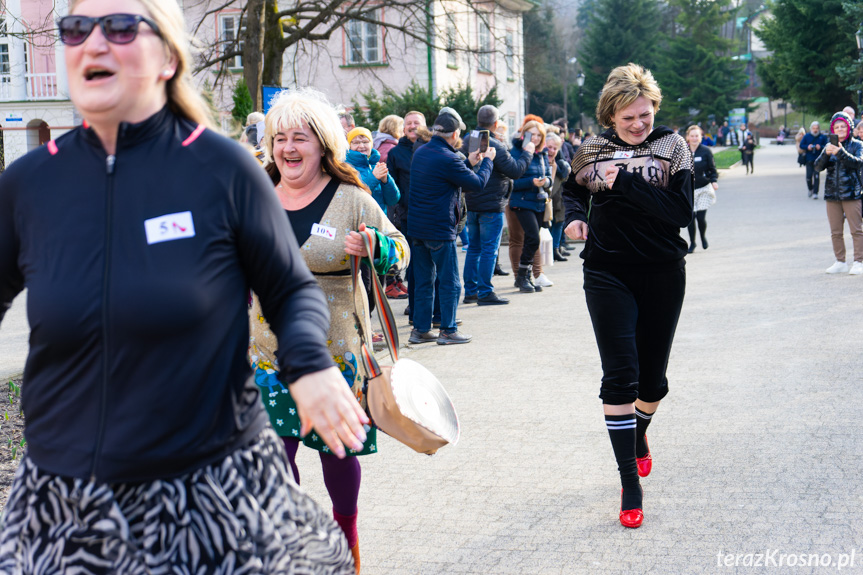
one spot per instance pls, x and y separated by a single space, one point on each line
576 230
380 172
831 150
325 403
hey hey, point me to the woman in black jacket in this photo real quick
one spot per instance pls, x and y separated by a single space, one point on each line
705 186
138 237
629 194
842 192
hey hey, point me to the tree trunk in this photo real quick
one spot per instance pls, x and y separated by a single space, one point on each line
253 50
274 46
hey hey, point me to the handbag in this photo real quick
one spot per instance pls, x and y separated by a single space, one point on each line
405 400
549 211
546 247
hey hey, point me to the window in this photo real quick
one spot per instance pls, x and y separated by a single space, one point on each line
510 124
229 30
364 41
451 42
485 47
510 56
4 50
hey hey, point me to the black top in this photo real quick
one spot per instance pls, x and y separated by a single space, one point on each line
303 219
138 268
703 167
634 225
495 195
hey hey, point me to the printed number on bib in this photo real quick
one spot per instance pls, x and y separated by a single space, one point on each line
169 227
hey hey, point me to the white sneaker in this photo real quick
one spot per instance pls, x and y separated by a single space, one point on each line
856 269
543 281
838 268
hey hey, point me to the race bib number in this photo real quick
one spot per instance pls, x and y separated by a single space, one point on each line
324 231
169 227
623 154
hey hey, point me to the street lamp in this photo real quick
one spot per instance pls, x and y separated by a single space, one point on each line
859 36
572 60
579 80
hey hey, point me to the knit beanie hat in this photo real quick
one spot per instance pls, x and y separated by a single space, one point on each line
842 117
359 132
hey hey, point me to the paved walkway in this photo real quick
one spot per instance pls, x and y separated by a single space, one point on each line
757 449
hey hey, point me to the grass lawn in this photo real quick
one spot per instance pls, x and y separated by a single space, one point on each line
727 158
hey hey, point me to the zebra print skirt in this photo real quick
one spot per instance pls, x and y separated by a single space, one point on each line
240 515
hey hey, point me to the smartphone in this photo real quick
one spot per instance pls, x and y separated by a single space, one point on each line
527 137
483 141
834 139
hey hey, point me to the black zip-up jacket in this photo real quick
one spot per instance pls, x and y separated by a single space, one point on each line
138 268
843 183
635 224
703 167
495 195
399 166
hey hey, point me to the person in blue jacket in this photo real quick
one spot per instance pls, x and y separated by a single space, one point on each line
529 194
373 171
812 144
437 176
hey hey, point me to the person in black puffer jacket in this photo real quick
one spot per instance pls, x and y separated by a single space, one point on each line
843 190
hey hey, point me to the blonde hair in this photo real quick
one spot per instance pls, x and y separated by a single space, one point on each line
254 118
392 125
624 86
530 125
694 127
292 109
184 99
553 138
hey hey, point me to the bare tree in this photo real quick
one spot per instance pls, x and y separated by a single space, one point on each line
40 33
270 30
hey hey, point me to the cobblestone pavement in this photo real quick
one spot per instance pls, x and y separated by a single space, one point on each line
757 448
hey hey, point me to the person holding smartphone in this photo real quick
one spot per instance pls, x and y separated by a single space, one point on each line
485 212
843 159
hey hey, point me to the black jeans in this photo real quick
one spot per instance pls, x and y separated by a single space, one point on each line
634 316
813 177
531 222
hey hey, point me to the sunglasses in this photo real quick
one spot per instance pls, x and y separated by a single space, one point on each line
117 28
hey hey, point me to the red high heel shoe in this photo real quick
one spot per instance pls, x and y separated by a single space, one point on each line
645 464
631 518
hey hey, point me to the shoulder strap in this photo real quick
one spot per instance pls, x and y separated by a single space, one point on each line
385 313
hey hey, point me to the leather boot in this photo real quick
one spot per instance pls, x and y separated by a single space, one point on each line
498 271
523 281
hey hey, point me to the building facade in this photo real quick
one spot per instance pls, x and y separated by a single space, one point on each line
34 96
480 45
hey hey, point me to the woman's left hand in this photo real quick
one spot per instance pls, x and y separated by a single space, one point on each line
611 175
831 150
354 244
